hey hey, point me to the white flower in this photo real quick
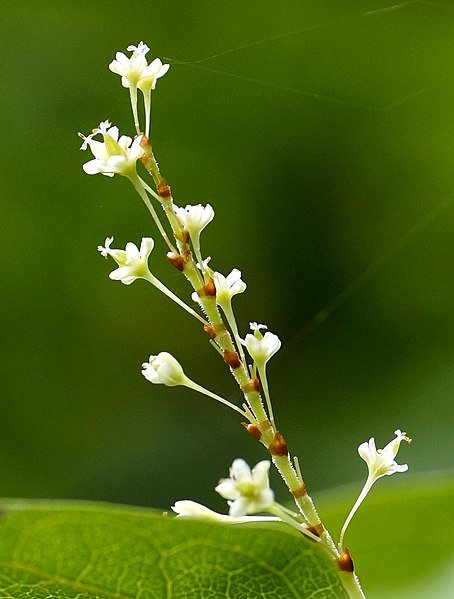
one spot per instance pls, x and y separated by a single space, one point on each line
164 369
186 508
132 262
135 74
248 491
135 71
261 347
381 461
114 155
195 218
227 287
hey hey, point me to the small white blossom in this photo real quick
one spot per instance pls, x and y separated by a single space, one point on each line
114 155
186 508
248 491
164 369
261 347
380 462
195 218
135 74
135 71
132 261
227 287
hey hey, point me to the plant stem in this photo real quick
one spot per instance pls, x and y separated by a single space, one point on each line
352 585
263 427
365 490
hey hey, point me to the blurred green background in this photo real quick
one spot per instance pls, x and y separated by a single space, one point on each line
322 132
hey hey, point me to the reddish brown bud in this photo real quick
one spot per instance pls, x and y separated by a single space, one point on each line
210 288
253 430
145 142
278 446
252 385
316 530
345 561
232 359
164 189
176 260
301 491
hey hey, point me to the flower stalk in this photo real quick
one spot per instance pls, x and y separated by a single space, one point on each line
247 490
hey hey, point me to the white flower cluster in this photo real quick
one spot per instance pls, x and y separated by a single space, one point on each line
118 155
136 74
135 71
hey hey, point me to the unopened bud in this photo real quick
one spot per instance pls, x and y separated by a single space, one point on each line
345 561
176 260
278 446
232 359
253 430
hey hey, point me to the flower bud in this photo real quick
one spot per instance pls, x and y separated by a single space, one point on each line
164 369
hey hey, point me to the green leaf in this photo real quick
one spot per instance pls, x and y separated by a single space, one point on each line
57 550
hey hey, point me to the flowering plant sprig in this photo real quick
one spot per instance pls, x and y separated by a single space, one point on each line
247 490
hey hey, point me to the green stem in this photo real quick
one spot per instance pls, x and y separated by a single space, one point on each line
280 512
352 585
365 490
264 381
147 106
133 98
227 309
200 389
157 283
241 375
168 209
135 180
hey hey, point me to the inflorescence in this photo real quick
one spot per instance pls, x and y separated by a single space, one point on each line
247 490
